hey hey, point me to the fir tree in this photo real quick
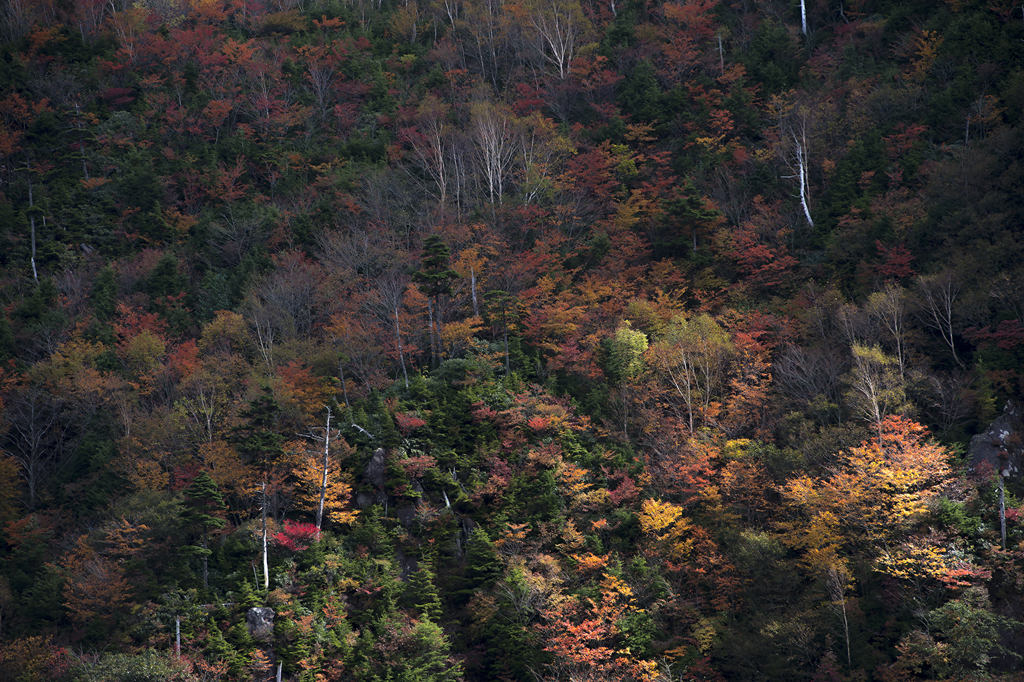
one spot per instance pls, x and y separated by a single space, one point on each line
104 294
482 564
258 440
218 649
435 280
201 513
421 594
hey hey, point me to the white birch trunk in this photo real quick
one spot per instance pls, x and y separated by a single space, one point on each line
323 474
472 287
401 352
801 161
266 563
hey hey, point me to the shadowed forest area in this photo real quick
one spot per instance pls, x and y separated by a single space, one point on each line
511 340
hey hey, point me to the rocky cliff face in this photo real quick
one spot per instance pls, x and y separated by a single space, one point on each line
1001 445
375 476
260 621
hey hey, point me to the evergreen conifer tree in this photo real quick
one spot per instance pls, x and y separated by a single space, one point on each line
258 440
435 280
104 294
201 512
421 594
482 564
218 649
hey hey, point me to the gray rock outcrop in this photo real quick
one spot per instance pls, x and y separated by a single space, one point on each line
374 475
1001 445
261 623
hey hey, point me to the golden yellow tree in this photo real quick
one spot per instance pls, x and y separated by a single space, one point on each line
869 500
323 488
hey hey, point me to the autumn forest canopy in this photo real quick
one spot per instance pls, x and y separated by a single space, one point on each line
511 340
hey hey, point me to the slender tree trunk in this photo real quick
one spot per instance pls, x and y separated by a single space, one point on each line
472 288
837 592
801 161
940 293
266 563
504 324
401 353
1002 511
32 223
81 141
430 329
323 476
344 388
206 563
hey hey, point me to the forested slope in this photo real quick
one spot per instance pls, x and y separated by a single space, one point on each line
516 340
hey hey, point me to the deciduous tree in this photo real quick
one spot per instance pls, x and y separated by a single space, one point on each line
693 357
867 501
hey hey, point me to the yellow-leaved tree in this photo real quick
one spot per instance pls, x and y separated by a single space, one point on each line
870 499
323 487
868 504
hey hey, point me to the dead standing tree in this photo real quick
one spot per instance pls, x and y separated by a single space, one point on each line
41 436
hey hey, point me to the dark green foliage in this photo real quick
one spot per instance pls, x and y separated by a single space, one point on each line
214 294
435 275
420 594
90 483
7 343
963 636
247 596
639 94
956 516
638 629
482 564
202 513
165 280
408 651
44 132
44 296
104 294
258 439
141 188
773 60
203 502
684 225
40 603
218 649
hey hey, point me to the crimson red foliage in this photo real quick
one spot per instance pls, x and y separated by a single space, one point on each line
297 536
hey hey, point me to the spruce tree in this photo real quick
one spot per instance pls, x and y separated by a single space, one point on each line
421 594
258 440
482 564
201 512
218 649
435 280
104 294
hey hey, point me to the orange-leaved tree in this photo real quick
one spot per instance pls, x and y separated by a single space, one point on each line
585 638
869 500
323 487
95 588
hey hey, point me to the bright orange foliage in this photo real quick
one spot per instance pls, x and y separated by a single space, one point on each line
870 499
